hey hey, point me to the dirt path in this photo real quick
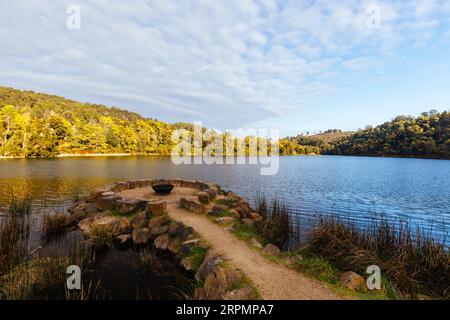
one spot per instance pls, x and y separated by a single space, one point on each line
273 281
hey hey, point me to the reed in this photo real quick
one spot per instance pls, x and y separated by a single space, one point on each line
416 262
277 225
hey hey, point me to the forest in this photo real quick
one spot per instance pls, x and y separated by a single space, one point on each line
427 135
41 125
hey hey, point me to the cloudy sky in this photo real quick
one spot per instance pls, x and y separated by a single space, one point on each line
294 65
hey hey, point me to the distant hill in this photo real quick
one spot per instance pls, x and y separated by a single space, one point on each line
427 135
331 135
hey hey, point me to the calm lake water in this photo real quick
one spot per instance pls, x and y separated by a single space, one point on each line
416 190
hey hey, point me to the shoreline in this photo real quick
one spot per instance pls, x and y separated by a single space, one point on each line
118 154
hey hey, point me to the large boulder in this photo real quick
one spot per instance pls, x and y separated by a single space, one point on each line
217 282
156 208
208 264
155 232
174 246
255 216
121 226
158 221
108 202
162 242
203 197
139 220
140 235
353 281
188 263
102 219
176 228
271 249
121 186
193 205
129 206
98 193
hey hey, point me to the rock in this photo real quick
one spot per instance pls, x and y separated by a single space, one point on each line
245 293
108 194
225 220
190 243
247 221
209 262
91 207
176 228
217 282
156 208
293 260
98 192
188 263
174 246
234 213
271 249
107 202
123 238
140 235
130 205
241 203
211 193
121 225
162 242
203 197
186 233
157 221
139 220
155 232
78 215
122 242
254 216
256 243
103 218
353 281
241 213
121 186
192 204
218 209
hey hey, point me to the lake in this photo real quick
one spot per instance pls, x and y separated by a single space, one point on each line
416 190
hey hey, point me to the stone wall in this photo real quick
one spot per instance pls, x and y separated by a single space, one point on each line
142 222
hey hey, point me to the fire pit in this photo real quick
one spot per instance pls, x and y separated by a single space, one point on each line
163 188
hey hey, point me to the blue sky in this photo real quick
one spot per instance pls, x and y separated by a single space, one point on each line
291 65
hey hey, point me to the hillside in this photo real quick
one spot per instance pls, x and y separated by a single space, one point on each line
331 135
427 135
41 125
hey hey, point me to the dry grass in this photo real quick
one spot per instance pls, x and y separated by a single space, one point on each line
413 260
55 223
100 236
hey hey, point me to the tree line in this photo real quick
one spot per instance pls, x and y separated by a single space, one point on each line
41 125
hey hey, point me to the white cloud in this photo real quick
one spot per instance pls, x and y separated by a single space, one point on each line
228 63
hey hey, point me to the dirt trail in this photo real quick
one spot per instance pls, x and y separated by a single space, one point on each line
273 281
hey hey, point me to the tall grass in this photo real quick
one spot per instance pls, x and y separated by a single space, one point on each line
412 259
14 233
277 225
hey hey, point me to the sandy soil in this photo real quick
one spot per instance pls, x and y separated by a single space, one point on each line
273 281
